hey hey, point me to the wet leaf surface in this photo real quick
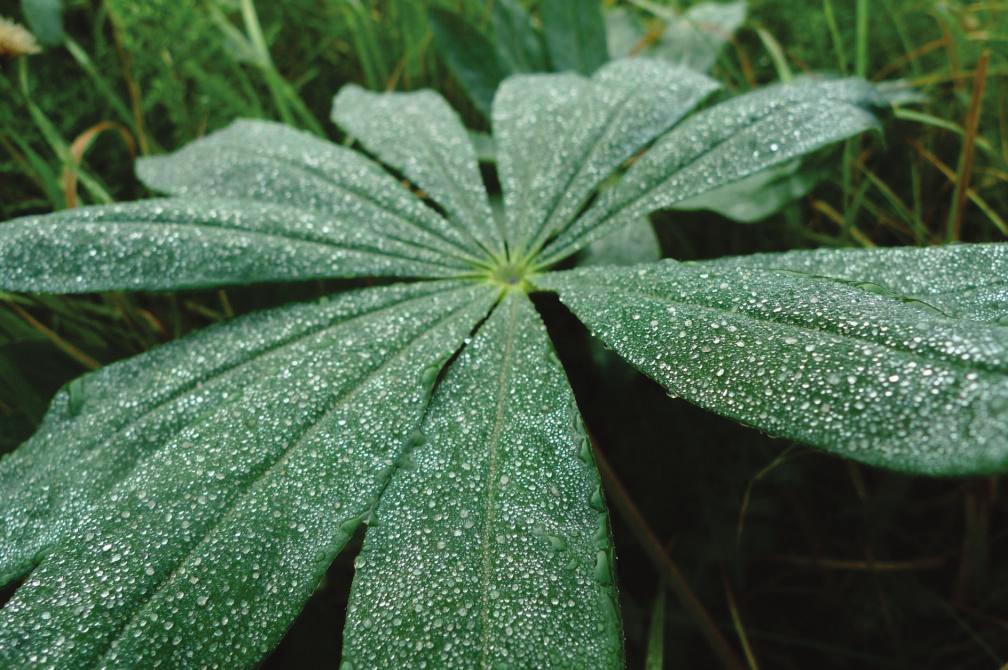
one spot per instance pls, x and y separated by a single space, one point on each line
185 503
491 545
879 380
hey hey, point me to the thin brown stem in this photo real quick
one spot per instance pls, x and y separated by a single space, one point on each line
665 566
969 142
54 337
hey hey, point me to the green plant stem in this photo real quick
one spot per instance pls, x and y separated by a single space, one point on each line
838 47
902 34
57 143
656 634
852 146
915 223
669 571
846 170
861 52
254 30
739 627
288 103
776 53
366 45
857 199
108 95
35 167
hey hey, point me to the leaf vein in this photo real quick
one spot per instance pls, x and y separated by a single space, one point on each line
321 176
491 488
958 364
231 508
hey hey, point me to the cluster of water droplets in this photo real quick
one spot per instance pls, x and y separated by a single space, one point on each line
968 281
270 162
723 144
217 507
491 548
421 135
559 136
812 359
195 242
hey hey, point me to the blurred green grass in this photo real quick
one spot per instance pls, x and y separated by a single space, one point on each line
837 565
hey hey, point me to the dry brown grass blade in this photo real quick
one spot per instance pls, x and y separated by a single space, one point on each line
971 125
907 58
80 146
650 37
668 569
836 217
971 193
54 337
132 87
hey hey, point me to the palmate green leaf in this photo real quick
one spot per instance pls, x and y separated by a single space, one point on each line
726 143
966 281
183 505
420 135
575 34
179 508
876 379
268 162
200 242
491 547
560 136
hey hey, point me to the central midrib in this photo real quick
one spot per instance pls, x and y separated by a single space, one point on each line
491 490
466 254
283 457
938 357
285 236
224 370
543 226
611 211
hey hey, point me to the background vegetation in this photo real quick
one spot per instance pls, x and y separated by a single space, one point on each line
804 560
